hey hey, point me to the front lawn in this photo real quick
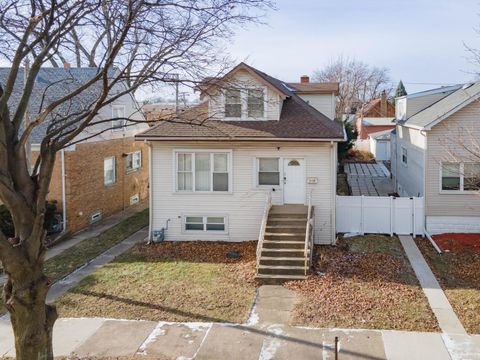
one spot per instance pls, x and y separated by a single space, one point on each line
69 260
458 272
171 281
363 282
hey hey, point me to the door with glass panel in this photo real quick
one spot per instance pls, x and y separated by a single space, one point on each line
293 181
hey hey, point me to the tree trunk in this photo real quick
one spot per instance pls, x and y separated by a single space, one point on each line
32 319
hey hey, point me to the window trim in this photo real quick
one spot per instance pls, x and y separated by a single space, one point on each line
204 222
244 103
257 171
211 152
126 161
461 191
124 126
114 171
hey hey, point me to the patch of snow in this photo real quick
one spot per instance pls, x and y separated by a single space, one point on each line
347 235
271 343
196 326
156 332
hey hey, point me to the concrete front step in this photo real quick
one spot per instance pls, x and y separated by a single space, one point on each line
283 253
283 244
282 260
278 279
281 270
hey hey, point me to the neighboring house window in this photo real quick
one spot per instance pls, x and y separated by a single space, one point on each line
233 103
203 171
255 103
109 170
404 156
205 223
118 115
461 176
134 161
268 171
244 104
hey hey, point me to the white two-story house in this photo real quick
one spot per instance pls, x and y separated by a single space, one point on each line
436 155
247 161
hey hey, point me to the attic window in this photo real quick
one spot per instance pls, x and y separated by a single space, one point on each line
233 103
255 103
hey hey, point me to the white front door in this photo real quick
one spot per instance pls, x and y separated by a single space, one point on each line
293 181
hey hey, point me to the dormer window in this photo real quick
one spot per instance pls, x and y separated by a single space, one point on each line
233 103
255 103
244 104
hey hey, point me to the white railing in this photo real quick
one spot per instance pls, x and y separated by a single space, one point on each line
266 210
309 234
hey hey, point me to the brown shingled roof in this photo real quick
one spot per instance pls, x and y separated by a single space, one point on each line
316 88
298 120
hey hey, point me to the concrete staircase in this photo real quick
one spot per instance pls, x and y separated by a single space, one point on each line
282 255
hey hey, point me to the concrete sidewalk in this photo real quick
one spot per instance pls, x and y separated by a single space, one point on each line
96 337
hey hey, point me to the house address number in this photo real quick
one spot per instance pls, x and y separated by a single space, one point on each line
312 180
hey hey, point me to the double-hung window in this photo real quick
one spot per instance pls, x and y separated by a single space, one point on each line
205 223
268 170
233 103
118 118
134 161
244 104
109 176
203 171
460 176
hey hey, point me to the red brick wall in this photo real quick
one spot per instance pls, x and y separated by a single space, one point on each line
85 189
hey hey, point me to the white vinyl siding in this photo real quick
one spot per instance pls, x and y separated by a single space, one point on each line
243 205
325 103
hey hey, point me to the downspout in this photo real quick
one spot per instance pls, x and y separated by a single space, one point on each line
424 133
150 190
64 197
334 189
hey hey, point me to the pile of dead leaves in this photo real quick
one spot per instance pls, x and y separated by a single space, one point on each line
362 289
204 252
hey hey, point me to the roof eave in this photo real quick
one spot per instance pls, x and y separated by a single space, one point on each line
226 138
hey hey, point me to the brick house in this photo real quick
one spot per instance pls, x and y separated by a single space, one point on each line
105 171
375 116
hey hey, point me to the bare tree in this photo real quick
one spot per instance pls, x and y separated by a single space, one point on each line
132 44
359 82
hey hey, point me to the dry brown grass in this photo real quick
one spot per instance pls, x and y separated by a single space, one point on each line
366 282
459 275
185 281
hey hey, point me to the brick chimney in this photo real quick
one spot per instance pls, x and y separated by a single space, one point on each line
66 65
383 104
304 79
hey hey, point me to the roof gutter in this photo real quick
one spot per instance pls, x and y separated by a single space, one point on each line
179 138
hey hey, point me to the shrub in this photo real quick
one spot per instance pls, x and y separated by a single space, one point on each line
6 221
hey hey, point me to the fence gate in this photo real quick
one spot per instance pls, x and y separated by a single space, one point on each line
380 215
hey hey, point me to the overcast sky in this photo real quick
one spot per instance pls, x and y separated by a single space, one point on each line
420 41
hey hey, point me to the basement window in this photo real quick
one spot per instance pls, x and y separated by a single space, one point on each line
205 223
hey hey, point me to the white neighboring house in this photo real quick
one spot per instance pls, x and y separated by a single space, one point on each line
211 179
432 155
380 145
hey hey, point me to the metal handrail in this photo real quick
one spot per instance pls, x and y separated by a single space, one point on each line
266 210
308 233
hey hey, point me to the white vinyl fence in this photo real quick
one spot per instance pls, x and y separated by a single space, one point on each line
380 215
